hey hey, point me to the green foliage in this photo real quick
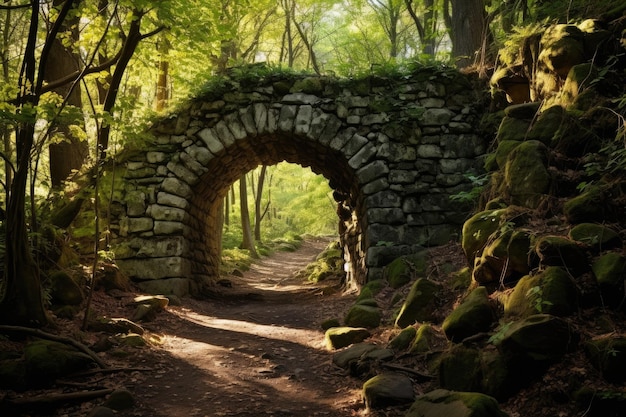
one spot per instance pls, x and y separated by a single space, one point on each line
478 183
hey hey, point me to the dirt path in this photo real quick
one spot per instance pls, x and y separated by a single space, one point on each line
256 351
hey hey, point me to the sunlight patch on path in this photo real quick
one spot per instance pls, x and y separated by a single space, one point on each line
285 334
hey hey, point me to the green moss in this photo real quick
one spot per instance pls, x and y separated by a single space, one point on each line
419 304
403 339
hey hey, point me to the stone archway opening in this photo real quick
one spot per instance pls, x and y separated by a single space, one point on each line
206 204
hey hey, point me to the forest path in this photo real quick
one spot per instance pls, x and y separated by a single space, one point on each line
256 350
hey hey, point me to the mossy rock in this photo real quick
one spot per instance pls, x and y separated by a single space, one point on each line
403 339
552 291
526 177
309 85
575 139
369 290
339 337
361 315
595 236
609 270
329 323
426 339
46 361
589 207
562 48
504 259
460 369
64 290
120 399
404 269
608 355
539 338
388 389
473 316
419 305
503 151
578 79
548 122
477 231
561 251
526 111
441 402
512 129
346 357
497 379
132 340
597 402
461 279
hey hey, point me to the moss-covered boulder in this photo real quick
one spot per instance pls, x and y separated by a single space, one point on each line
561 48
596 237
440 403
369 290
548 122
552 291
419 304
477 231
610 270
561 251
64 290
426 339
588 207
403 339
503 151
504 259
339 337
540 338
578 79
526 177
46 361
404 269
498 380
120 399
513 129
608 355
460 369
329 323
388 389
345 357
362 315
473 316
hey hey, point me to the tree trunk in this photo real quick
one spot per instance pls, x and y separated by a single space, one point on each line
22 303
248 241
163 92
67 152
258 215
467 31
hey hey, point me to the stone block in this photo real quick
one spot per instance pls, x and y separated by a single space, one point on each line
168 228
377 185
372 171
223 133
179 287
302 123
287 117
260 117
171 200
182 172
384 199
158 212
139 224
177 187
209 137
363 156
155 268
436 117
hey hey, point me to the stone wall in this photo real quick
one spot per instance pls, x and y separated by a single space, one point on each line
393 149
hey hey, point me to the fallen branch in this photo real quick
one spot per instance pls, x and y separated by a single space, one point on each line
419 376
109 371
51 399
55 338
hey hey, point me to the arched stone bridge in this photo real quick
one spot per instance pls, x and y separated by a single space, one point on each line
393 150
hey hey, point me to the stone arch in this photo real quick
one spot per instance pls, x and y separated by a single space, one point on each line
393 153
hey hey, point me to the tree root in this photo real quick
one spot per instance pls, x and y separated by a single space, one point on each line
55 338
50 400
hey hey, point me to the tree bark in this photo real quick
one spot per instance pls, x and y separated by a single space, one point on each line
248 241
67 152
258 212
467 31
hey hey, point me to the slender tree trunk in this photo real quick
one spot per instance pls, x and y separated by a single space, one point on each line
67 152
22 302
226 211
248 241
258 214
163 92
